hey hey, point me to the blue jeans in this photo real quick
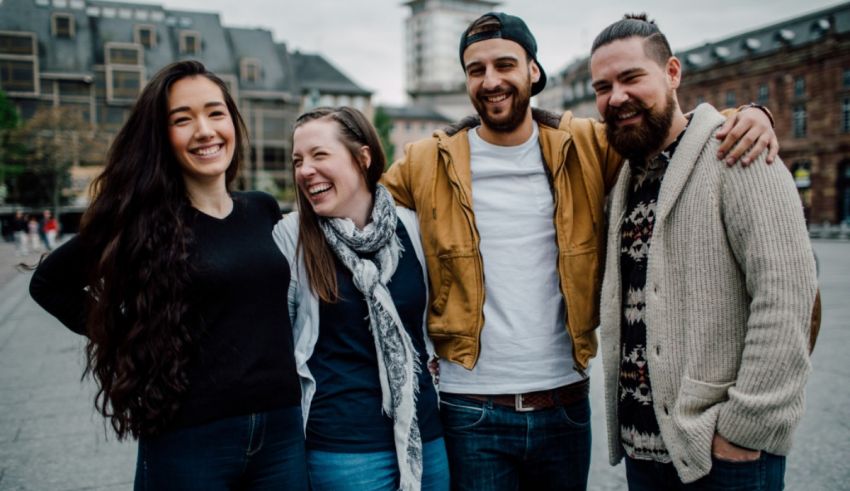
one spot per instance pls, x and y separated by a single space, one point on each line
375 471
493 447
263 451
765 474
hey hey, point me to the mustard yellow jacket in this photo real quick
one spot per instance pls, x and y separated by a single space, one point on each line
434 179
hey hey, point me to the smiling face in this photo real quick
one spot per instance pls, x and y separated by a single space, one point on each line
327 173
200 129
499 76
635 95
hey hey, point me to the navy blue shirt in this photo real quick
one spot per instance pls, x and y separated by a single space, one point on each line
345 414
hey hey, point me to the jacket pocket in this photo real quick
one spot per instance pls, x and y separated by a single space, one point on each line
454 267
583 285
695 416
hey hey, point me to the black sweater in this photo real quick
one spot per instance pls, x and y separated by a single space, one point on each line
244 362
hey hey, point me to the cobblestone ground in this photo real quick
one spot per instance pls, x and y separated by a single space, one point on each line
51 439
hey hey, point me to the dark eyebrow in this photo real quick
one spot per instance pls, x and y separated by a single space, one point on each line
624 74
497 60
186 108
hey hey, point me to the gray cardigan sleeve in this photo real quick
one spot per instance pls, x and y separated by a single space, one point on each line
767 233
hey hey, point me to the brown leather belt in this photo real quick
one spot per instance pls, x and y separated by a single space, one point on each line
535 401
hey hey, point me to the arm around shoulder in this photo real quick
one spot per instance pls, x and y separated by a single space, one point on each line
591 140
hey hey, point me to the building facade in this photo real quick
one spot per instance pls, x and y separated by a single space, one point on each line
434 77
799 68
95 56
412 123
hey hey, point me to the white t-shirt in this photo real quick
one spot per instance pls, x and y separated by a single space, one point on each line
524 343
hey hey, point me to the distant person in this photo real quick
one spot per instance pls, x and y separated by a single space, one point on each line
20 231
50 229
358 297
510 207
34 234
708 290
176 282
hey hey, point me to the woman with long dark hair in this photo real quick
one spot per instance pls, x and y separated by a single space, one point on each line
175 281
358 299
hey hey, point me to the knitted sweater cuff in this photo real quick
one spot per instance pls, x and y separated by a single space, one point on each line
770 433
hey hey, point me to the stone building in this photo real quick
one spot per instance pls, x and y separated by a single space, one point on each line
412 123
95 56
434 77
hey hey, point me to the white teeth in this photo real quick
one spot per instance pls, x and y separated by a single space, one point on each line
628 115
497 98
207 150
318 188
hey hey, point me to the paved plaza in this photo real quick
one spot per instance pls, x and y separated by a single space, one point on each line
52 440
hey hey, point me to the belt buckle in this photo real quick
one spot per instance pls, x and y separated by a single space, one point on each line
518 407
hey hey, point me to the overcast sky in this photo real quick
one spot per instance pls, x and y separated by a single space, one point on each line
365 38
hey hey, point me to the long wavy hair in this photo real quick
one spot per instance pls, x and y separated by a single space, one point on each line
141 325
355 131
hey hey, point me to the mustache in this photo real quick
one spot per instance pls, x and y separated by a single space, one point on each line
496 91
612 113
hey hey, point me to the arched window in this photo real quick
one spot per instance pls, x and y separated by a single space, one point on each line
802 172
844 192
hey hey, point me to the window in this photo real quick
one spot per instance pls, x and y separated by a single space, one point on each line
845 115
801 171
123 84
17 43
275 125
249 70
800 86
73 88
799 121
846 78
274 158
18 62
190 42
62 25
730 98
763 94
145 35
123 54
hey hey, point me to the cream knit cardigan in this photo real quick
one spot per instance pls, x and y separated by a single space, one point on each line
729 293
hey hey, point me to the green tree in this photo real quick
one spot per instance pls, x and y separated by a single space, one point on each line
51 142
384 125
9 121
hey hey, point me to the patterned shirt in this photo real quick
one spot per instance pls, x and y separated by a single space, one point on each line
639 432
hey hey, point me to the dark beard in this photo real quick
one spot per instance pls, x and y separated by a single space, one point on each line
637 141
519 108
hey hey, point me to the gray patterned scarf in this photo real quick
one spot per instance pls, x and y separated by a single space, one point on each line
397 357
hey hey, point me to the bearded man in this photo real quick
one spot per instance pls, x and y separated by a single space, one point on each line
708 289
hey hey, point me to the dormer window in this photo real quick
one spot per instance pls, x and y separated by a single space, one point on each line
62 25
190 42
250 70
145 35
123 54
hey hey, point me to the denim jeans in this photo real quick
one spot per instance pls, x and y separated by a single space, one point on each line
493 447
765 474
262 451
375 471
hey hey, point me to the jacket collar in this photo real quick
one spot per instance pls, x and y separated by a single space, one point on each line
453 140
